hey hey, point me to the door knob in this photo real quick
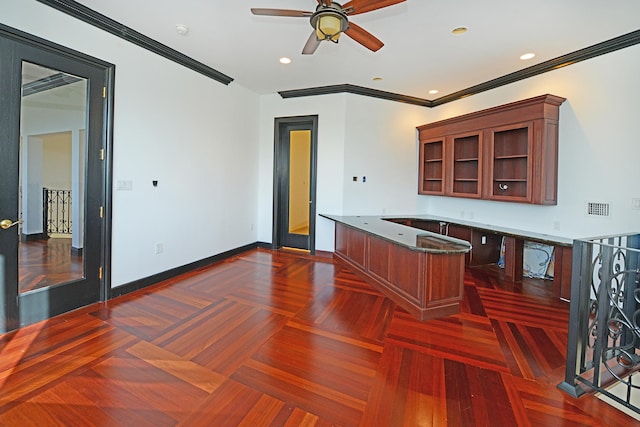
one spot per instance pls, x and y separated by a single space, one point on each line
7 223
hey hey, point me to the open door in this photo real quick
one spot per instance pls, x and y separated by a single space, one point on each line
295 182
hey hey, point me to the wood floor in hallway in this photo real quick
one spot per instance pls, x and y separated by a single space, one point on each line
47 262
271 338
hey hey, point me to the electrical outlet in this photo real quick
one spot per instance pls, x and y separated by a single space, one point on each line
159 248
635 203
483 240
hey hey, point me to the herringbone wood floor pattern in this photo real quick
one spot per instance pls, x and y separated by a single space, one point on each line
280 339
47 262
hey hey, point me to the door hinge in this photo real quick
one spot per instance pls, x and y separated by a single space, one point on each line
104 91
102 154
101 211
100 273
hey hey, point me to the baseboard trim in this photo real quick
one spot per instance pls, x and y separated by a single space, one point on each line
76 251
324 254
33 237
169 274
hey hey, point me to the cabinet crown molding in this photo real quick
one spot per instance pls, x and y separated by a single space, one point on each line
526 109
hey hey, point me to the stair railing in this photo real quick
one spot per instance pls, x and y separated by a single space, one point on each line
604 319
56 211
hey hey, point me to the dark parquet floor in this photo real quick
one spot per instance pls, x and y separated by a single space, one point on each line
281 339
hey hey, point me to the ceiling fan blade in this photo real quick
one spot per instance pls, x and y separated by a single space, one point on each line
280 12
362 6
363 37
311 45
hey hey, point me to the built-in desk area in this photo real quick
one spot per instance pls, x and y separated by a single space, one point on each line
419 261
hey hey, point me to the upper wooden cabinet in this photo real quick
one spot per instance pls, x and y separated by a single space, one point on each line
510 166
464 165
507 153
432 166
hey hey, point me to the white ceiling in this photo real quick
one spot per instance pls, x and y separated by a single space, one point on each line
419 54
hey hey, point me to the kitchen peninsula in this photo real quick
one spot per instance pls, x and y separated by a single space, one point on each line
418 261
419 270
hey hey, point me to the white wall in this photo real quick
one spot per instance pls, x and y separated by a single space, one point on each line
357 136
380 144
211 149
331 138
197 137
56 167
43 120
599 153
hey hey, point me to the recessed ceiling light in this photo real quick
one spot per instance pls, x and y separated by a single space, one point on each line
285 60
459 30
377 79
527 56
433 91
183 30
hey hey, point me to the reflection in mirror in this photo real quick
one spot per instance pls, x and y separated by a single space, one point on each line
299 177
52 164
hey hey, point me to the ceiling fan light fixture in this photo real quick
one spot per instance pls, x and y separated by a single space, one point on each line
330 20
329 26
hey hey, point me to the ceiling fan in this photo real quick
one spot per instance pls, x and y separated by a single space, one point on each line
330 20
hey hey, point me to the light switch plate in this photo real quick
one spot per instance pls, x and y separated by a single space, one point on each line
124 185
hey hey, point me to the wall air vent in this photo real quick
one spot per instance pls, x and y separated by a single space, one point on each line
597 209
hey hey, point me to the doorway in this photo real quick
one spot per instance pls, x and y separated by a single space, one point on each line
53 179
294 204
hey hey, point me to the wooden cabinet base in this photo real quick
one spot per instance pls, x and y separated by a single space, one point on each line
562 272
427 285
486 244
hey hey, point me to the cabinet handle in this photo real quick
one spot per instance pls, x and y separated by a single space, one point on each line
503 187
444 228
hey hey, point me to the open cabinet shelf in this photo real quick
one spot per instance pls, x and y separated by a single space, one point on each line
492 154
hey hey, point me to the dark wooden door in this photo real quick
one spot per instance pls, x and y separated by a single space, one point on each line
52 134
295 182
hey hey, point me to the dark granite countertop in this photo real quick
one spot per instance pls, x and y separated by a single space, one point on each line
414 238
496 229
409 237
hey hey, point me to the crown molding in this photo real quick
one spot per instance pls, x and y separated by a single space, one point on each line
356 90
49 82
608 46
98 20
593 51
107 24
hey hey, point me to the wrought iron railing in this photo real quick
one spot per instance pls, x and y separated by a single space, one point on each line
57 211
604 320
